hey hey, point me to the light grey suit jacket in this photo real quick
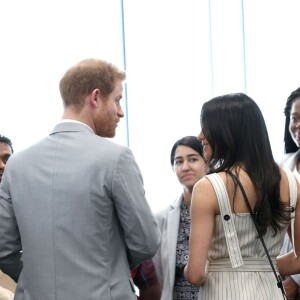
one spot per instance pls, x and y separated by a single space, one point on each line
74 203
165 258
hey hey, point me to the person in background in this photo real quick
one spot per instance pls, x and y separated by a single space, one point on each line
174 221
236 143
74 203
145 279
291 161
6 150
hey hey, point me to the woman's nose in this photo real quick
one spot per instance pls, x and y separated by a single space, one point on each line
201 136
185 165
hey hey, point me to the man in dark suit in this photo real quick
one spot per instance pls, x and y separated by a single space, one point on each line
6 150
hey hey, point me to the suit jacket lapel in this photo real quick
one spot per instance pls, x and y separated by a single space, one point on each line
172 233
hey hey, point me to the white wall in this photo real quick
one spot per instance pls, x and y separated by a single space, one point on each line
178 55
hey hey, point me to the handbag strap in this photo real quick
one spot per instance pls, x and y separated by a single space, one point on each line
277 276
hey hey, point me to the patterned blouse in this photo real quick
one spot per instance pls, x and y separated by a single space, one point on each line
182 289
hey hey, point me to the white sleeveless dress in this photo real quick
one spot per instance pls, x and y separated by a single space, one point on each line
238 265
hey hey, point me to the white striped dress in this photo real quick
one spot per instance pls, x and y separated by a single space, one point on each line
246 273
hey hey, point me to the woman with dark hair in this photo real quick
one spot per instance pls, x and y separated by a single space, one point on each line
174 221
291 161
236 146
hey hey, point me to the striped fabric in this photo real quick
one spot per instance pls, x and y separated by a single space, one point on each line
246 282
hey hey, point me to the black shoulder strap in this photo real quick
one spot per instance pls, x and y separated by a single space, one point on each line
277 276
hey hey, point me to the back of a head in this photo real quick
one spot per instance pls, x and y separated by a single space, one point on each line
235 128
84 77
6 140
289 144
189 141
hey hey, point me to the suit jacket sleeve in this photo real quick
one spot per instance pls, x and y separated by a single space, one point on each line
10 242
141 233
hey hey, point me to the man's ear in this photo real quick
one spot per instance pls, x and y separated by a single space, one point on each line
95 97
